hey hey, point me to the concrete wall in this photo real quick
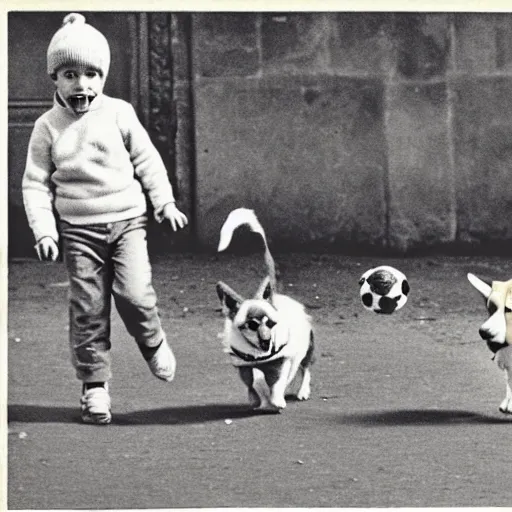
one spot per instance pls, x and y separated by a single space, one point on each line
355 130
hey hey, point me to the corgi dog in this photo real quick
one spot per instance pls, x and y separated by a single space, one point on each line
269 337
496 331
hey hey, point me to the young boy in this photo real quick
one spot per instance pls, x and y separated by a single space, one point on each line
89 163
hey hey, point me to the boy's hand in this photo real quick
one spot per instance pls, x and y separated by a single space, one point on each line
177 219
47 249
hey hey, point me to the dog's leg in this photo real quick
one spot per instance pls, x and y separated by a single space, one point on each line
305 387
246 374
276 376
504 361
261 387
506 405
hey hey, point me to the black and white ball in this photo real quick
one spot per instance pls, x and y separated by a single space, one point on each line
383 289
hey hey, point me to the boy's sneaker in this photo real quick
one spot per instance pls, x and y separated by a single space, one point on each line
95 403
163 363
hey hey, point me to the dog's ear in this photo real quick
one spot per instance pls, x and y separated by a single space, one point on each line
482 286
229 298
265 290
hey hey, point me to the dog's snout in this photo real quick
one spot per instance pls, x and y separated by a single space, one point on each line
495 328
485 334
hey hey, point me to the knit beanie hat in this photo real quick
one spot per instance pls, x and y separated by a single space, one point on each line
78 43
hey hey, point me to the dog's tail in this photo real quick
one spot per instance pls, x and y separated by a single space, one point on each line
241 217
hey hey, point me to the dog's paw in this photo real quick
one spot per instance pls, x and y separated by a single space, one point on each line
278 402
506 406
262 404
254 399
303 394
267 408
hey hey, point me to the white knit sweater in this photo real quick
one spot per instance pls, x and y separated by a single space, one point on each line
91 168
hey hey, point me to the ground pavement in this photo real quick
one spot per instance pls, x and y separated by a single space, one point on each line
403 413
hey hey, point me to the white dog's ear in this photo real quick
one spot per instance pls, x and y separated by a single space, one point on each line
484 288
230 300
265 290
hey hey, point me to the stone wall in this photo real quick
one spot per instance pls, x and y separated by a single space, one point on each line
344 131
355 131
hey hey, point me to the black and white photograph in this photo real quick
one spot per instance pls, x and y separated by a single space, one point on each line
258 258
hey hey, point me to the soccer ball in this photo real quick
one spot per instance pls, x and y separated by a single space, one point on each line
383 290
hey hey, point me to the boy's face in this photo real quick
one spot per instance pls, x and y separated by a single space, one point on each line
78 86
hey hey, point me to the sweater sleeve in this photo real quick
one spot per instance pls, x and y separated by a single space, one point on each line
37 190
147 162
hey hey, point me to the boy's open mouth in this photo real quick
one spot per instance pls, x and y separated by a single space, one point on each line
80 102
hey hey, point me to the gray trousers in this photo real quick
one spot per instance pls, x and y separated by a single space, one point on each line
105 261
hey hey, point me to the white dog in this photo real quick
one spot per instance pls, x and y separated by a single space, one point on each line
497 329
269 337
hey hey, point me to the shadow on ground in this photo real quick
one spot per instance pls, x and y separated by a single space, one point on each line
163 416
418 417
215 412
